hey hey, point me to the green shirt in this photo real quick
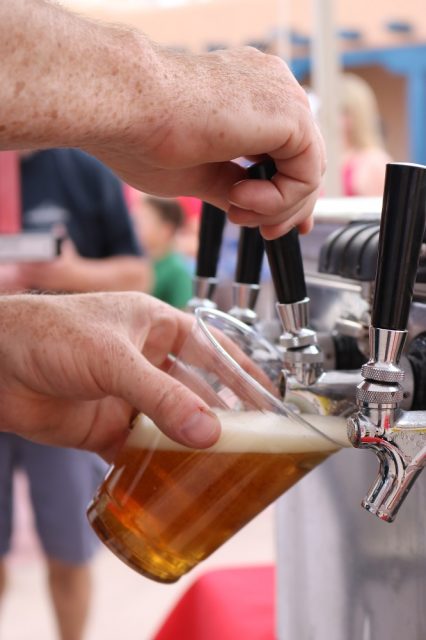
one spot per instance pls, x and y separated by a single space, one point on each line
173 284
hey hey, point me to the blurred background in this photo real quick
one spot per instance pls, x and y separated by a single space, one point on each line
363 65
383 42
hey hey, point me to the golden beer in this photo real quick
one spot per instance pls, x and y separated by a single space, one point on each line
164 507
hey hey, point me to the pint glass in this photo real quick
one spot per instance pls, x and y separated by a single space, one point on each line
164 507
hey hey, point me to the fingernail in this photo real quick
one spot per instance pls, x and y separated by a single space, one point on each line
201 428
239 182
234 204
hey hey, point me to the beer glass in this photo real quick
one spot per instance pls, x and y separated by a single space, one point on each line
163 507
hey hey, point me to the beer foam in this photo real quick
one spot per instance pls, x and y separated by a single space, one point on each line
254 432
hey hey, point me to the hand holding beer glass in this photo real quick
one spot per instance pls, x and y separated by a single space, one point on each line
164 507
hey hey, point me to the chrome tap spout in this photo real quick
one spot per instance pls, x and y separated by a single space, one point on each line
400 446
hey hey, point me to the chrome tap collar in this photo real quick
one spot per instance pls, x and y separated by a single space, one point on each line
203 290
306 373
371 394
244 298
295 316
302 356
303 338
309 354
385 348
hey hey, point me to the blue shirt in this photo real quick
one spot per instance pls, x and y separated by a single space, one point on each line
69 187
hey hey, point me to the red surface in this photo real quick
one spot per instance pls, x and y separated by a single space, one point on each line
227 604
10 192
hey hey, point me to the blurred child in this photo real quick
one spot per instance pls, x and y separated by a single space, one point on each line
158 221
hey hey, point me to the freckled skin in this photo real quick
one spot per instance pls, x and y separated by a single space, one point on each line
74 370
167 122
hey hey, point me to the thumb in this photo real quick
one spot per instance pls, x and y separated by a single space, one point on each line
175 409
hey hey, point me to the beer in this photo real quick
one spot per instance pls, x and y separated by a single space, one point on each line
164 507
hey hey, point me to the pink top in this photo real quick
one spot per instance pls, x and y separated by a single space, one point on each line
348 178
10 192
191 207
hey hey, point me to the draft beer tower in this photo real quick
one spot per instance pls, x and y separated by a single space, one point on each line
342 573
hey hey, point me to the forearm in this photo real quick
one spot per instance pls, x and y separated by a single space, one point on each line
67 81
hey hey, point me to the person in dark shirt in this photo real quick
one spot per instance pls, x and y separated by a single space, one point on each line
68 189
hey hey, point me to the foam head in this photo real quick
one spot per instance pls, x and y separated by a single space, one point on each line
254 432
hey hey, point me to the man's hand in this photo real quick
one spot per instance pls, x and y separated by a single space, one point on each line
168 123
76 369
220 106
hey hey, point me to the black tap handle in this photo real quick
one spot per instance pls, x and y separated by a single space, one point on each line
250 256
250 245
286 265
209 240
284 255
401 234
264 170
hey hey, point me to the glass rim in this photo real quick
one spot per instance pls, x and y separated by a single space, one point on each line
201 313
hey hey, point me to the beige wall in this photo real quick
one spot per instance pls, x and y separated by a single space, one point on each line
236 21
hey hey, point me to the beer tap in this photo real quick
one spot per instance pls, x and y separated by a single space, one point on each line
245 288
397 437
302 358
304 381
210 240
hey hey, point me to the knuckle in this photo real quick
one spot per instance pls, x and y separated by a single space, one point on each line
169 405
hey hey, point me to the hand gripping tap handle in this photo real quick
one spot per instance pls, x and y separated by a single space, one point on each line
209 240
284 255
401 234
250 245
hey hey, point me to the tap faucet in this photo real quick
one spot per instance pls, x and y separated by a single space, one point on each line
245 289
303 381
209 243
301 354
302 357
397 437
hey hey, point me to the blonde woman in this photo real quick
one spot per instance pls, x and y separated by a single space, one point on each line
364 155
